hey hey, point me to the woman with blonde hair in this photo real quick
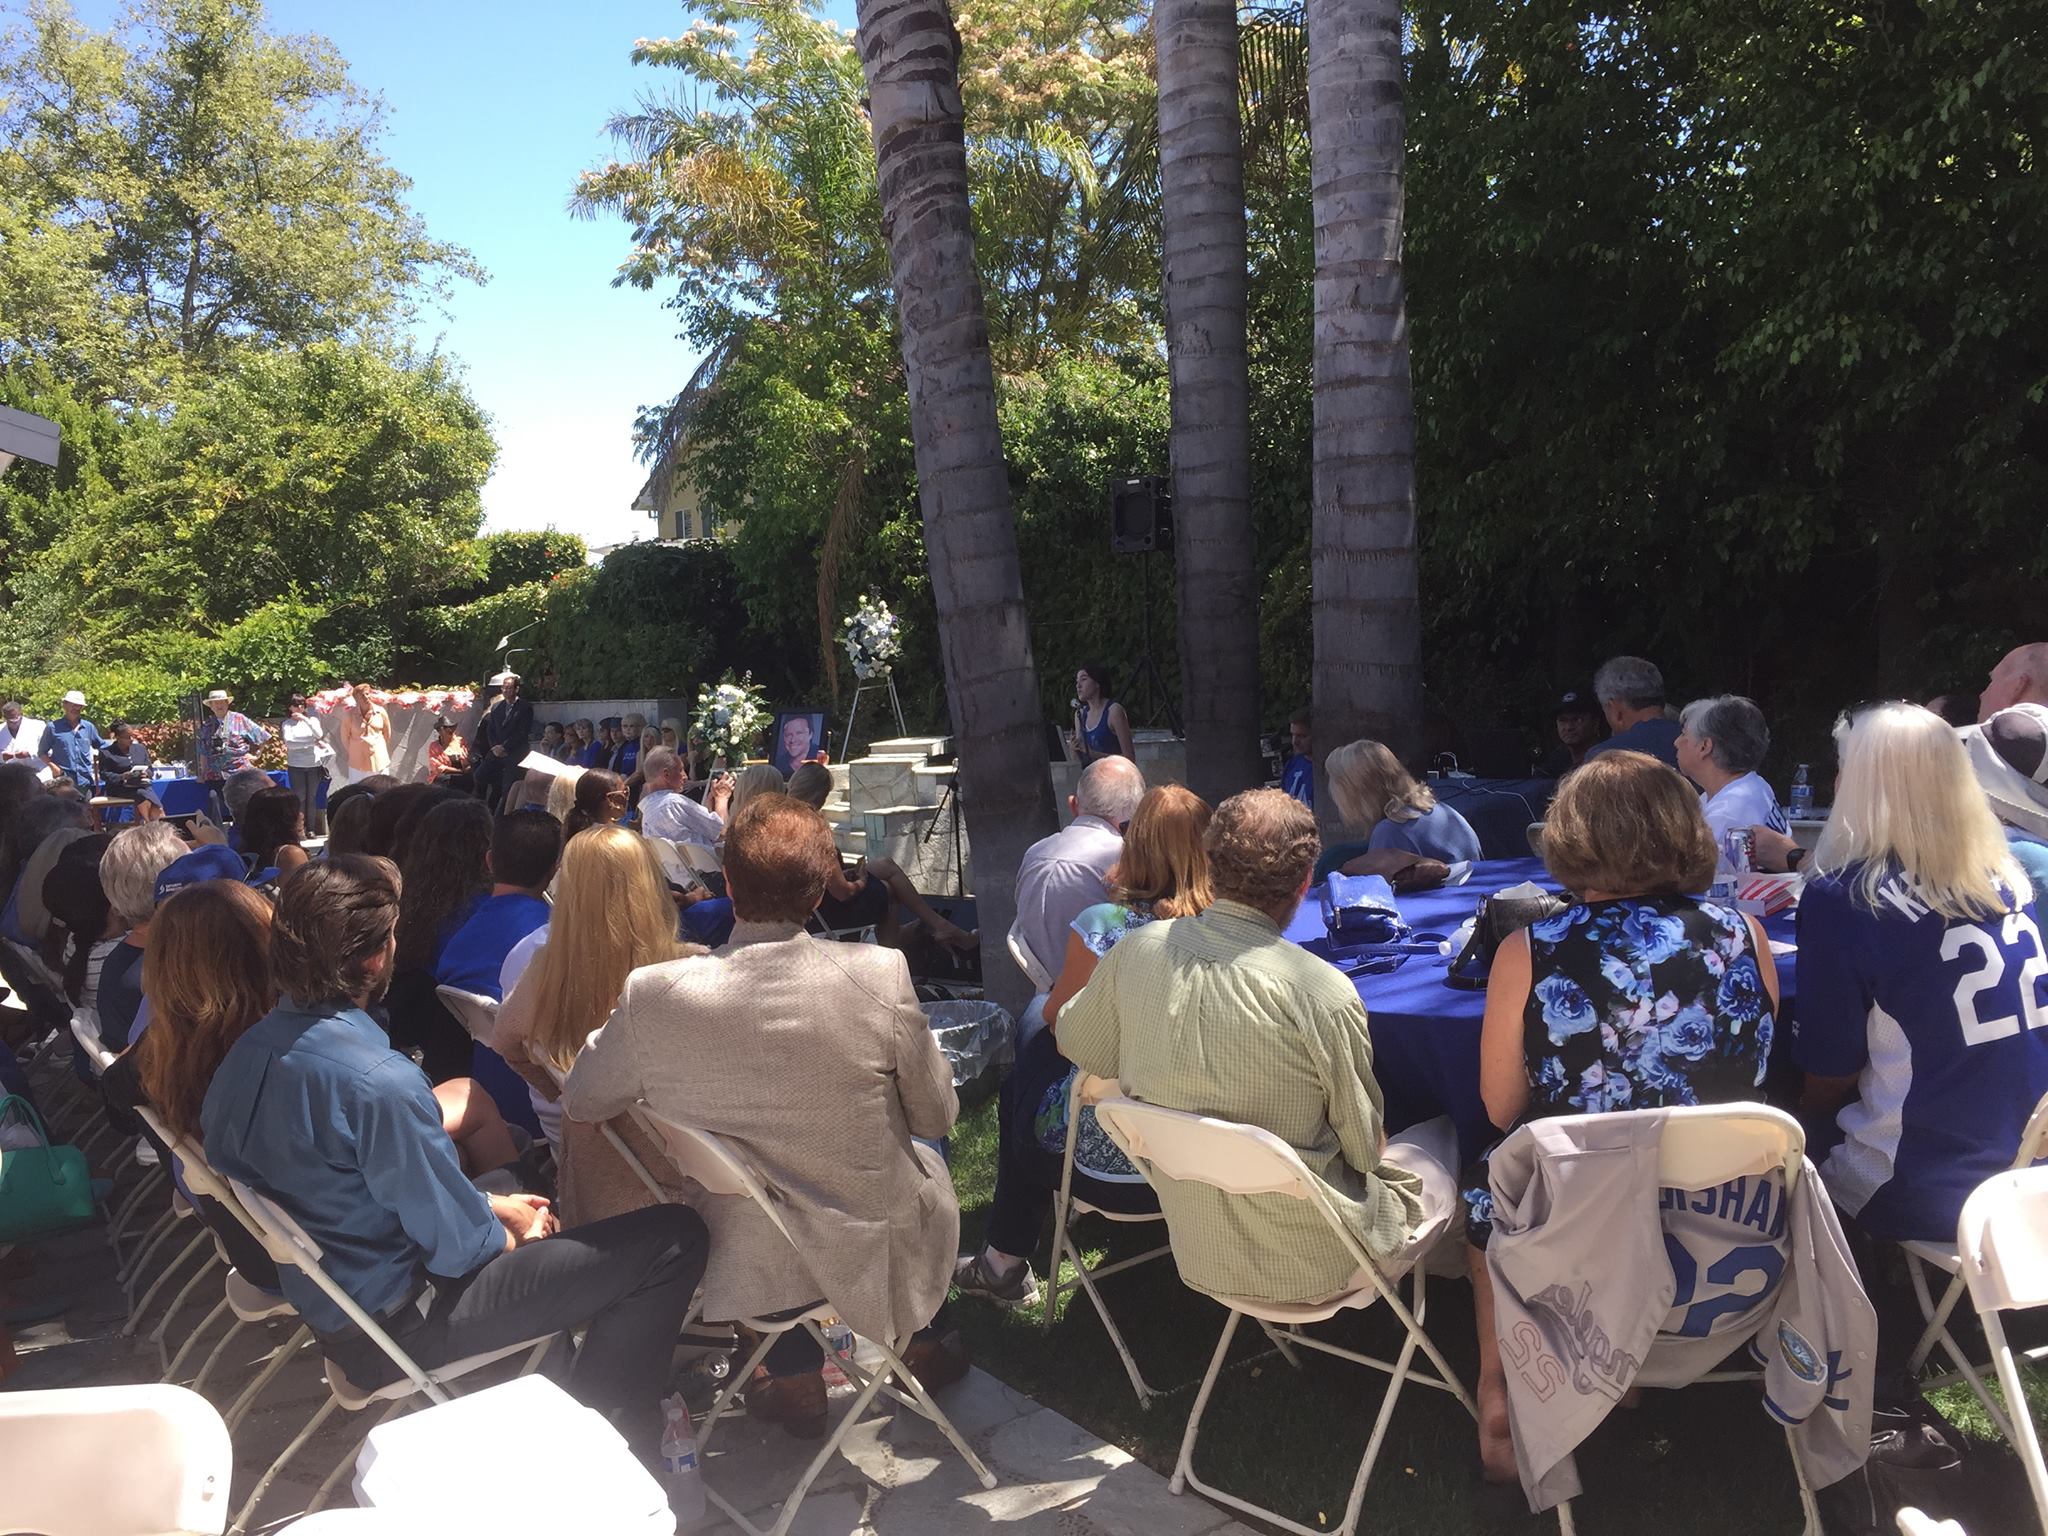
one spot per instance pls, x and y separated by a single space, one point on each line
1162 873
613 914
1923 981
753 780
1393 810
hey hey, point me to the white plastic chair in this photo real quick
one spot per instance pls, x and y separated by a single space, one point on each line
1702 1147
704 1157
114 1461
1067 1206
1034 972
1923 1258
2003 1238
290 1246
618 1144
473 1011
1248 1160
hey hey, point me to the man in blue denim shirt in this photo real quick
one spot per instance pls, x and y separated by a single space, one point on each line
72 745
314 1108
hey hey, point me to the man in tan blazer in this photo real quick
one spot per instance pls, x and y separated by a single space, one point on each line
814 1060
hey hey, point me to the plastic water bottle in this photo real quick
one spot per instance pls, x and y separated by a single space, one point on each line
1802 794
679 1460
840 1337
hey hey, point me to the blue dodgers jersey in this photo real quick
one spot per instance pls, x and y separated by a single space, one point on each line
1942 1022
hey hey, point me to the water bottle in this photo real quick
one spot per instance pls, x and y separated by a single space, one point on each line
840 1337
1802 795
679 1461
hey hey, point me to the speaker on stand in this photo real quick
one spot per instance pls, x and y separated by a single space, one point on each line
1141 523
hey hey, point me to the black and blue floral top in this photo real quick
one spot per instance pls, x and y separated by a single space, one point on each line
1644 1003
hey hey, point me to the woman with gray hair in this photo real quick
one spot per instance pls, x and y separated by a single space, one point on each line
1721 743
128 874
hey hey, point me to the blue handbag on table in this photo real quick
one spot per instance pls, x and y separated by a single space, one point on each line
1359 909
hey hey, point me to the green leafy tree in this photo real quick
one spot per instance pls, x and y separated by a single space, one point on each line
188 184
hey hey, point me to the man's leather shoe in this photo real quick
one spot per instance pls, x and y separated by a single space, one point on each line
797 1403
937 1362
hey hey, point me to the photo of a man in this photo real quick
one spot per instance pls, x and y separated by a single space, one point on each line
799 737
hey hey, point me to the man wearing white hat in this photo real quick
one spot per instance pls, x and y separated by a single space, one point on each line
227 737
72 745
2009 754
21 740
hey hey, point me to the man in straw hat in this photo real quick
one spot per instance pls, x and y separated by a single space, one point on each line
227 738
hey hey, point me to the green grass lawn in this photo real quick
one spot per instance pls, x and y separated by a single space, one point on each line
1706 1461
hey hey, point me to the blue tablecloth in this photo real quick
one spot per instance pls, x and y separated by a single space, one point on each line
1500 810
183 796
1425 1033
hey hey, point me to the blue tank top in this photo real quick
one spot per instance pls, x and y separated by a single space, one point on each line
1099 739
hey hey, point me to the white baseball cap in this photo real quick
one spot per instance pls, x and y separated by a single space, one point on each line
75 697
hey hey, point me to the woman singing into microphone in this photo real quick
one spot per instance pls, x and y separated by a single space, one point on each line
1101 728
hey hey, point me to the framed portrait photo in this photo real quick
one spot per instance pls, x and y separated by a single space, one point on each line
798 737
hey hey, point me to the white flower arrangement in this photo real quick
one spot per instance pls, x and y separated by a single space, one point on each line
730 718
873 639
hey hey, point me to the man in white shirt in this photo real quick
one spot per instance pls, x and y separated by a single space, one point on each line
665 811
21 740
1720 743
1062 876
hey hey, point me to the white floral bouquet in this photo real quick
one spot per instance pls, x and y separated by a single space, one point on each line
730 718
874 638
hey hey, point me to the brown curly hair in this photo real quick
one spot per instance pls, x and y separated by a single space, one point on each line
1262 846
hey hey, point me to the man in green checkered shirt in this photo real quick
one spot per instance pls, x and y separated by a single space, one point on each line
1220 1015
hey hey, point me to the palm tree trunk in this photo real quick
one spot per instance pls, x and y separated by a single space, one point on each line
911 55
1205 277
1368 638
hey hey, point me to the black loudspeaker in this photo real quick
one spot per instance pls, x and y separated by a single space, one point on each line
1140 516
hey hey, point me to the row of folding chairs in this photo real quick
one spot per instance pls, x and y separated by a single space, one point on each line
2000 1259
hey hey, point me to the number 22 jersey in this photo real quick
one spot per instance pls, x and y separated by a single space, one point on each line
1941 1021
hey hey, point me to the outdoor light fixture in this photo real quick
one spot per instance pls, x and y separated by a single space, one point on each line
505 640
23 436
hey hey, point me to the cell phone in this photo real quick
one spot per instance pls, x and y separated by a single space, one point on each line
860 867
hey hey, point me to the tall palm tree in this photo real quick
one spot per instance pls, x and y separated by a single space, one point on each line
911 56
1368 638
1204 278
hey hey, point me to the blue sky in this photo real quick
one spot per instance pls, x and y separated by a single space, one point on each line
492 109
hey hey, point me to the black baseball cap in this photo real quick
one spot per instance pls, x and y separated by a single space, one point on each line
1578 701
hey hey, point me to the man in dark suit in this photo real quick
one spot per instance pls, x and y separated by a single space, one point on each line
503 738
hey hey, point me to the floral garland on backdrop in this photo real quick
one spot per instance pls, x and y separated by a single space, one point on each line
873 639
327 701
730 718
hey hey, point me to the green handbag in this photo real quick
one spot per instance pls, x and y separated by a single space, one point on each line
43 1189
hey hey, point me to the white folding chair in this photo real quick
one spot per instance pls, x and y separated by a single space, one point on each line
1702 1147
290 1246
706 1158
1028 963
1084 1092
473 1011
618 1144
2003 1238
1248 1160
1922 1259
1533 835
114 1461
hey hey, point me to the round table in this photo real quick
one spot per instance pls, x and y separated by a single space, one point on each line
1425 1032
